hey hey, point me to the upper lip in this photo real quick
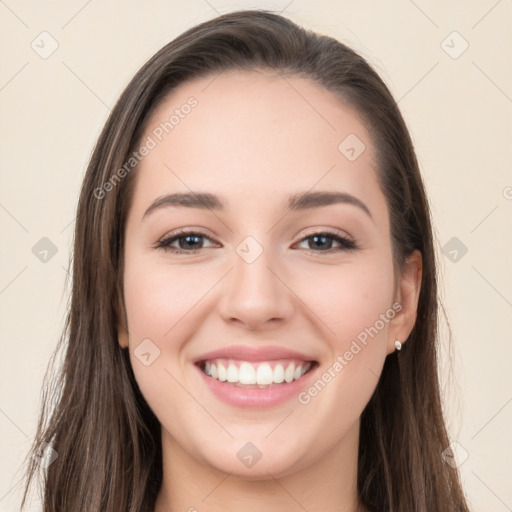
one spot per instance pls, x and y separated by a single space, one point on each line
246 353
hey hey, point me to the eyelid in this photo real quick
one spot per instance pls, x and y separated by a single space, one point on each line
326 230
345 241
175 235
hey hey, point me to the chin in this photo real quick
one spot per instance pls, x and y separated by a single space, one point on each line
248 462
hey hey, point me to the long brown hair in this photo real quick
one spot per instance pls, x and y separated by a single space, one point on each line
103 433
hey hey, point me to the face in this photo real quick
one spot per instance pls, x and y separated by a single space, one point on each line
276 286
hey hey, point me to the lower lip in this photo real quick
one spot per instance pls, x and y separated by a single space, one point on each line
250 398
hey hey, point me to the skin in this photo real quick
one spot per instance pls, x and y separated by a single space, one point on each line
253 139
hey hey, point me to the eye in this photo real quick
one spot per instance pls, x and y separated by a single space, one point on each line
188 242
323 240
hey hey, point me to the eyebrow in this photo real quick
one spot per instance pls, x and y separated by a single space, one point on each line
294 202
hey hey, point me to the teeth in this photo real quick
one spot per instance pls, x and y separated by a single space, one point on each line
264 375
288 374
279 374
260 374
232 373
223 374
246 374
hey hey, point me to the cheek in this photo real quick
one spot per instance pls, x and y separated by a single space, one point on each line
158 301
163 302
158 297
348 300
355 308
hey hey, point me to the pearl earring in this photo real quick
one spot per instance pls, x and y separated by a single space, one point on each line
398 345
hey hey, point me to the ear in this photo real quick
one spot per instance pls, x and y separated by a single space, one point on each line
122 336
407 295
120 314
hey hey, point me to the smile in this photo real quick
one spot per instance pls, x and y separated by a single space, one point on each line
262 374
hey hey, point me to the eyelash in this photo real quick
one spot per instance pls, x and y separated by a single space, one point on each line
165 244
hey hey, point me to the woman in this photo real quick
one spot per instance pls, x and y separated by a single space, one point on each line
253 320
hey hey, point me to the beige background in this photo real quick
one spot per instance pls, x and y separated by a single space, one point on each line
459 113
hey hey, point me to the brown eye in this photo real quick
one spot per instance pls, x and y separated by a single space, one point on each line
322 242
188 242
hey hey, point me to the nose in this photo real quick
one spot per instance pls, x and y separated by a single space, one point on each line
255 293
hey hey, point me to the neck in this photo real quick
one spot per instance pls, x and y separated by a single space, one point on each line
327 485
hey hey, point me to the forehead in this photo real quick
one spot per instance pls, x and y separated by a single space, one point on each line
256 133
